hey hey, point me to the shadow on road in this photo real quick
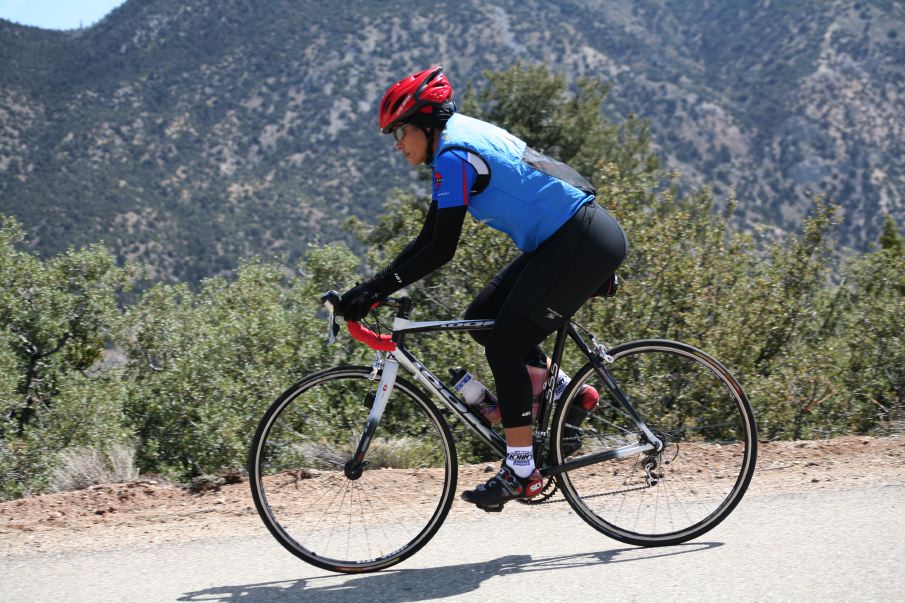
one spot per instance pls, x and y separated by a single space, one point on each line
398 586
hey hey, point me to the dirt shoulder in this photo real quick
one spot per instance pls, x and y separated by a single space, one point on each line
146 513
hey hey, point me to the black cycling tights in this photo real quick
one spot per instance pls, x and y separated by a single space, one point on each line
536 293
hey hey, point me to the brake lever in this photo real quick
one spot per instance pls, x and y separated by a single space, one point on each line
330 300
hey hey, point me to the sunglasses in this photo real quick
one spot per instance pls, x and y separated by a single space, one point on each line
399 132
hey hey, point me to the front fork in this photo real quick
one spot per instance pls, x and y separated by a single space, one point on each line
355 466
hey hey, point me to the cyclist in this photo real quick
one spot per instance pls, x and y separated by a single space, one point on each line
570 247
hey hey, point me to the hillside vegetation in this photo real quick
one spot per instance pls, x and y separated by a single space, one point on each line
187 134
816 343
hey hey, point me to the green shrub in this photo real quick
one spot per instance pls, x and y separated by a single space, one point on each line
816 342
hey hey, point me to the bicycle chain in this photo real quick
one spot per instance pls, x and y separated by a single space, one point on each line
546 499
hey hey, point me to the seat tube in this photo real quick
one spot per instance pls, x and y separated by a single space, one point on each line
384 389
546 406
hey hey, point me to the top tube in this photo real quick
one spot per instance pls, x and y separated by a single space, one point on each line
404 326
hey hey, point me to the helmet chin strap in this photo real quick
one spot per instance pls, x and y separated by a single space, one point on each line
433 123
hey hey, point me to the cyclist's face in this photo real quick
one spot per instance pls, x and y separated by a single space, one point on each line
412 143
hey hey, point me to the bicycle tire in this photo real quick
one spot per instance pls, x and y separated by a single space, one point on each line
703 472
315 511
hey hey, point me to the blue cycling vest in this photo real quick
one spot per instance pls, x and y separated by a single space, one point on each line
518 191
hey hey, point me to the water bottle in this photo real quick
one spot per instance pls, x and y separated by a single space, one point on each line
573 434
476 395
537 372
586 402
562 382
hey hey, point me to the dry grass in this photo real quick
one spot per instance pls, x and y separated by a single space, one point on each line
396 453
83 467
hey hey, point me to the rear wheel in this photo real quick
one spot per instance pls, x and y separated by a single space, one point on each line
692 403
356 521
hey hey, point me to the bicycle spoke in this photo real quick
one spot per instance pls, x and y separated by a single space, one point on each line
380 525
364 523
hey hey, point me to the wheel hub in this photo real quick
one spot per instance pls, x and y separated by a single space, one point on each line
653 461
353 469
661 441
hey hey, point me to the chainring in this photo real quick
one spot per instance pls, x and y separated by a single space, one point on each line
550 488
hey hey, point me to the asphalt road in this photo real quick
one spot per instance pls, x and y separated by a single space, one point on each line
815 546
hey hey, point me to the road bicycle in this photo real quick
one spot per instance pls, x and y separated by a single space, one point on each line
664 457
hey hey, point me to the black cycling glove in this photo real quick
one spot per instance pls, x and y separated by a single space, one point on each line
357 301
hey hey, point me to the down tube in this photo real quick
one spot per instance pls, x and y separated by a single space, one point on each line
449 399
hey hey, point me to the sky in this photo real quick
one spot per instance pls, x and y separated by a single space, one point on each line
56 14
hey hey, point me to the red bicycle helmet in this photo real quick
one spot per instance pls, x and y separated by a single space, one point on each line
417 92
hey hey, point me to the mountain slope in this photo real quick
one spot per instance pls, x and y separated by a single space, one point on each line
186 134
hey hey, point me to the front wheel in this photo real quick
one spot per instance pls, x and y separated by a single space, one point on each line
699 411
356 521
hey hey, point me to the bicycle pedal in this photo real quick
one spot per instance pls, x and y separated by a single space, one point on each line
490 509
